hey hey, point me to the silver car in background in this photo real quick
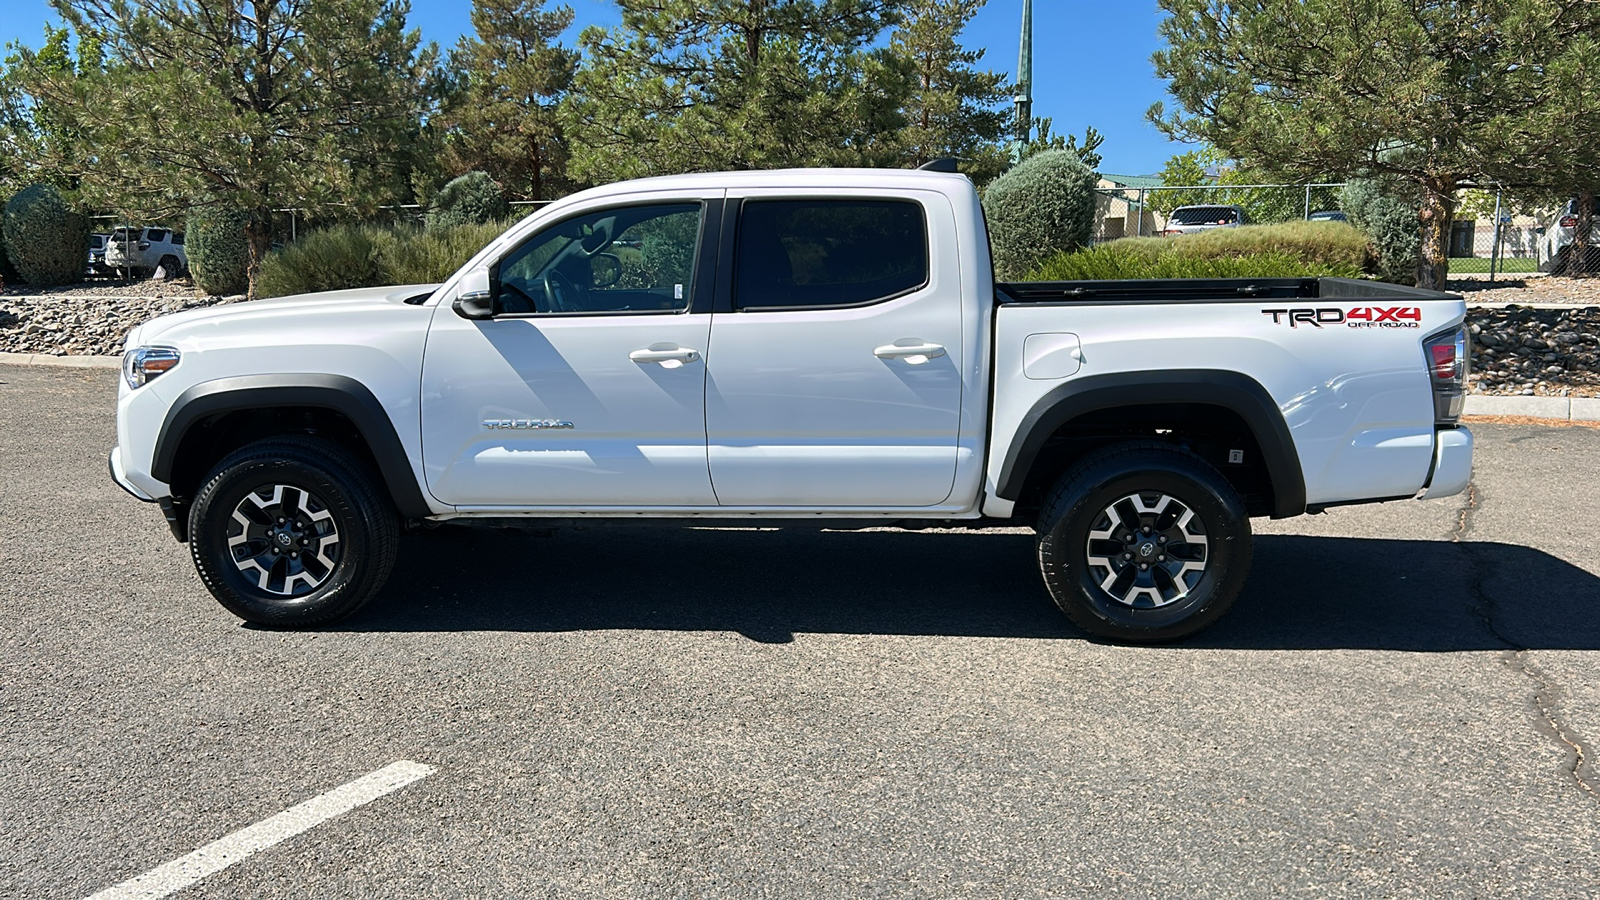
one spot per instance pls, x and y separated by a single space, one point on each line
1193 219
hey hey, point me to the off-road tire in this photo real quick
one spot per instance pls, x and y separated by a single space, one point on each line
1159 475
171 264
363 521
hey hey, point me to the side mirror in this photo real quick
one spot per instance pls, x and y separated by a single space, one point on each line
605 269
477 305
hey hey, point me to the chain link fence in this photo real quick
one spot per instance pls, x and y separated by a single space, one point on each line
1148 211
1489 236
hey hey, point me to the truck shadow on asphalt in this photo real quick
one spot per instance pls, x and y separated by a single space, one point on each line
769 585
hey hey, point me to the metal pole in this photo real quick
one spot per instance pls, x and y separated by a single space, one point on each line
1308 201
1494 252
1140 230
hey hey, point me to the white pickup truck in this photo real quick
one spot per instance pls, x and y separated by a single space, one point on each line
817 345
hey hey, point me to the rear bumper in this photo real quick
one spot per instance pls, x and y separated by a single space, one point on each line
1452 463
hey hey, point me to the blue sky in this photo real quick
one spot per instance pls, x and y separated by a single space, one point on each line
1091 60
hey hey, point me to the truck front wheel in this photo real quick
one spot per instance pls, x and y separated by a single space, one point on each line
1144 542
292 531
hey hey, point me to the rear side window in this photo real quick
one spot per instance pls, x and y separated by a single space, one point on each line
177 238
815 254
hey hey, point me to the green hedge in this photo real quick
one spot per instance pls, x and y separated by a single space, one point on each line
45 238
471 199
354 256
1385 209
219 251
1289 250
1043 207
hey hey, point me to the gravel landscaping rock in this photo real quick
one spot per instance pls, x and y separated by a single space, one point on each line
89 319
1535 352
1528 289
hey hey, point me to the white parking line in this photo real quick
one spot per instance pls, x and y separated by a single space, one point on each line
224 852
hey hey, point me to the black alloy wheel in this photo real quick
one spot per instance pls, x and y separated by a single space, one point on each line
1144 542
292 531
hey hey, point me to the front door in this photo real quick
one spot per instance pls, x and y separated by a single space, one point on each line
835 378
587 387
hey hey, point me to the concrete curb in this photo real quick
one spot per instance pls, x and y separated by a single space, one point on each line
71 362
1572 409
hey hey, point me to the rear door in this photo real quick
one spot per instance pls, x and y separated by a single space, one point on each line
835 372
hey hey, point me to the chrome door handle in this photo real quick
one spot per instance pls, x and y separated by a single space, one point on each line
902 351
654 355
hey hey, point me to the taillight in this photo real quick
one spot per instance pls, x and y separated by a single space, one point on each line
1449 359
1569 221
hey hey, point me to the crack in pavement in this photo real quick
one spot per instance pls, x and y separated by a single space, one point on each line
1545 694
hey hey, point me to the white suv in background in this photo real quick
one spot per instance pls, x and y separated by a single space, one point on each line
142 250
1557 240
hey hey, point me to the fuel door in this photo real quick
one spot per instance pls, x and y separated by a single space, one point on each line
1047 357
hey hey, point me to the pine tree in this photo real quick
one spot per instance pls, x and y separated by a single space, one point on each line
702 85
1436 94
953 109
247 106
39 139
504 120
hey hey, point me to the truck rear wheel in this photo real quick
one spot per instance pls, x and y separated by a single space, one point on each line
292 532
1144 542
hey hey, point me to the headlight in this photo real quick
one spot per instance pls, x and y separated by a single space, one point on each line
141 364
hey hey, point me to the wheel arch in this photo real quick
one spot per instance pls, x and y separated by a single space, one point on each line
337 396
1093 397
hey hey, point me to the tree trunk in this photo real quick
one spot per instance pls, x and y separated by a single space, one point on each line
258 233
1580 256
1433 257
538 170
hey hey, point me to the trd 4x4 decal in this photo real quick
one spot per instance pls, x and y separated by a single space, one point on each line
1358 317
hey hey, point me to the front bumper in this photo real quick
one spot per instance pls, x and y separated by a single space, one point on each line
120 476
1452 463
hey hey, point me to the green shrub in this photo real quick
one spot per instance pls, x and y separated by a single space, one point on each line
45 238
429 257
472 199
1289 250
1041 208
8 272
1386 211
355 255
219 251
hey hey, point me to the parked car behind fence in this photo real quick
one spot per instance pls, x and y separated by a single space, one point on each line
1194 219
1556 245
142 250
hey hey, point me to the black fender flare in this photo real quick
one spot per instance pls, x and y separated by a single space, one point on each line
343 395
1234 391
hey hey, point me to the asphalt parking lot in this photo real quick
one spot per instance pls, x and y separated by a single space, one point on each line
1400 705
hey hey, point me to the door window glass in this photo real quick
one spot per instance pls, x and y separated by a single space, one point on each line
626 259
824 253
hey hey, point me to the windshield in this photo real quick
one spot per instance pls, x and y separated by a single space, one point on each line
1205 215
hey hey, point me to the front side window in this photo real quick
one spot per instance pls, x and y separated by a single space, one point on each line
156 235
626 259
815 254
